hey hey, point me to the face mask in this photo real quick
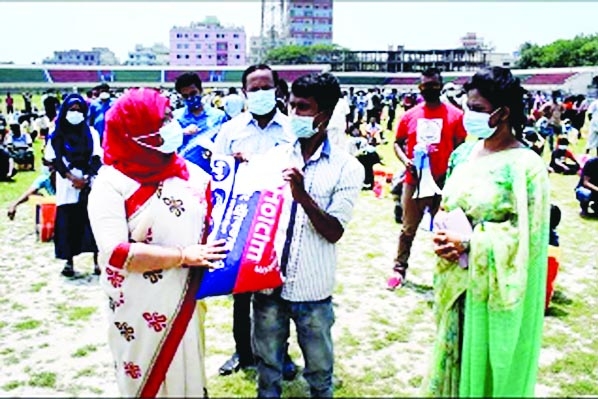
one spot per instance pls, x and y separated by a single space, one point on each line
172 134
261 102
302 126
74 117
562 147
104 95
476 124
431 95
172 138
193 102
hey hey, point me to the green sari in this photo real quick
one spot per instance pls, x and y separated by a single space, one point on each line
489 317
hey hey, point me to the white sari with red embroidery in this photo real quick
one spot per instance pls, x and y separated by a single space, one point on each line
155 329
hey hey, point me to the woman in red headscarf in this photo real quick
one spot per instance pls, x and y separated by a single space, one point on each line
148 211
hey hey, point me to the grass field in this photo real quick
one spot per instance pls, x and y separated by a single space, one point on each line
54 340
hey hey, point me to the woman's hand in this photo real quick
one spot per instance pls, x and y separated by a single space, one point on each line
203 255
448 245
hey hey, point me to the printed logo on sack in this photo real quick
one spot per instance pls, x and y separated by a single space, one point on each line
220 170
249 226
218 197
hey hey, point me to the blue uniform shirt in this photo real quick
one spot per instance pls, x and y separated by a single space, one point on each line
208 122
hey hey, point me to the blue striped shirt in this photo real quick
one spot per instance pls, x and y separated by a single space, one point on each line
333 178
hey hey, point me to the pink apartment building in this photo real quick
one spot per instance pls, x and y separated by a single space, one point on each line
207 43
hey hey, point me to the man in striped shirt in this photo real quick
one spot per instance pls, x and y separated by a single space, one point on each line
325 183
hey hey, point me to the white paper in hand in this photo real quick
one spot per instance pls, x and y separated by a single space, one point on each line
457 222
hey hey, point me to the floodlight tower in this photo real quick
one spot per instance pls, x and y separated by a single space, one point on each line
273 23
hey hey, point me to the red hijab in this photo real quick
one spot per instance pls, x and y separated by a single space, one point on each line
137 113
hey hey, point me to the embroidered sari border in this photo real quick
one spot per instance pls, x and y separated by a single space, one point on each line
161 363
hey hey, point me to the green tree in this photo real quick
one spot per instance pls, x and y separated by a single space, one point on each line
295 54
582 50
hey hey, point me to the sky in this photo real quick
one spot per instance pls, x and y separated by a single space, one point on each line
31 31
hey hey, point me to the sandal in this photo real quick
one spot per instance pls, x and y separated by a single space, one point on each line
397 280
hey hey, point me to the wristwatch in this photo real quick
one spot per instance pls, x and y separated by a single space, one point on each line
465 245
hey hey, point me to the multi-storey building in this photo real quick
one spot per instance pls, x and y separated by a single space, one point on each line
97 56
207 43
157 54
309 22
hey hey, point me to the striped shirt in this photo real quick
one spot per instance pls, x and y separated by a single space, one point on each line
333 178
243 134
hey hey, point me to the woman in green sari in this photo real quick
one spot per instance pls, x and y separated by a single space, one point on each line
490 313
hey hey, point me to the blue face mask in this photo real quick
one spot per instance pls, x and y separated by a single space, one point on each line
477 123
261 102
303 126
193 102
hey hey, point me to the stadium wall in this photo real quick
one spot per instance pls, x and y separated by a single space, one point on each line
42 77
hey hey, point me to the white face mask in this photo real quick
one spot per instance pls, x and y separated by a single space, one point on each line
477 123
172 138
104 95
303 126
172 134
74 117
261 102
562 147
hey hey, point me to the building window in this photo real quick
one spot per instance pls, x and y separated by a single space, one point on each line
199 56
179 46
206 35
238 56
236 46
195 35
178 35
186 45
178 56
236 36
209 56
198 46
187 56
186 35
